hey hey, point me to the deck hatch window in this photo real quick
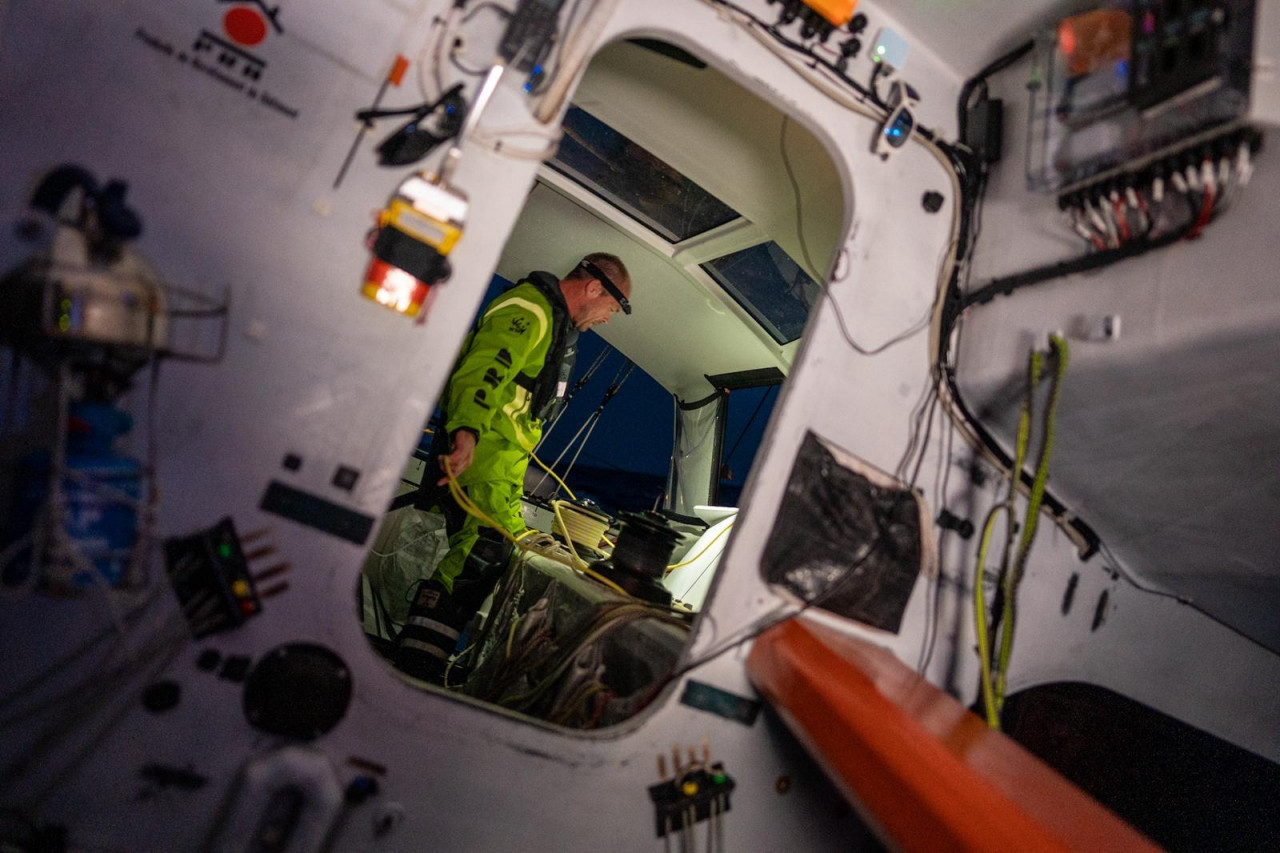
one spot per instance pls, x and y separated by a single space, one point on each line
773 288
634 181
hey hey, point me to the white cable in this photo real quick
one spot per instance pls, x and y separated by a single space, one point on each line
1244 165
1192 176
1079 227
496 141
441 27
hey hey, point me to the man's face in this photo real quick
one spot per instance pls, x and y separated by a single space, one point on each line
597 309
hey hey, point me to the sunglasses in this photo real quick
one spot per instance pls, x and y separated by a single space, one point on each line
609 286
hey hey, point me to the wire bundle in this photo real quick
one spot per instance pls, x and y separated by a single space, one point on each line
995 666
536 666
1134 208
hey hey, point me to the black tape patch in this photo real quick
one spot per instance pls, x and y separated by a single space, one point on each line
722 703
315 511
847 537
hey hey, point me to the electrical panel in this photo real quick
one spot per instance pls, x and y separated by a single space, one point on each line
1119 86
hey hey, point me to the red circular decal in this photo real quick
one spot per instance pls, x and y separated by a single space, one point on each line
245 26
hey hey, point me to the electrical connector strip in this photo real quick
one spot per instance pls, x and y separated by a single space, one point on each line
1136 206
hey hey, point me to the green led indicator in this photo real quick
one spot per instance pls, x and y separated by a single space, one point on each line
718 778
64 322
224 550
65 304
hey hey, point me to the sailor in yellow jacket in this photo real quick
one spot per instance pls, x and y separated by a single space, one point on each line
510 377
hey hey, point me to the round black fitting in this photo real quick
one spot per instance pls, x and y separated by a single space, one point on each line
645 543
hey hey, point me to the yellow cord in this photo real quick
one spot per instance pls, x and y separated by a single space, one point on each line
1058 346
704 550
568 491
473 510
1010 582
604 580
980 618
995 671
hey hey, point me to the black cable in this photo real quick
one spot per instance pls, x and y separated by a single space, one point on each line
765 396
1061 515
966 91
876 71
973 192
420 111
917 419
470 72
499 10
930 410
1006 285
795 191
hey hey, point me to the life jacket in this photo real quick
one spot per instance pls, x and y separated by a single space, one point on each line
549 386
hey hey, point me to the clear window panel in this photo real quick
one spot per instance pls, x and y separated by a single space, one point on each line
636 182
772 287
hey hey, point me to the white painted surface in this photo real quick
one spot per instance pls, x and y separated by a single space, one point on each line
235 193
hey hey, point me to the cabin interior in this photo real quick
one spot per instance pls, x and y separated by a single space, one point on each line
951 325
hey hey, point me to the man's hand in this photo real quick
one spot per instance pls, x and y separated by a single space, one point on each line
464 448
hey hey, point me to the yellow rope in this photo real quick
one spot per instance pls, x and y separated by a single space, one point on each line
1058 346
704 550
995 669
568 491
980 618
470 507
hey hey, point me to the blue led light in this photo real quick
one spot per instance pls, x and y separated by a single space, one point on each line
534 76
